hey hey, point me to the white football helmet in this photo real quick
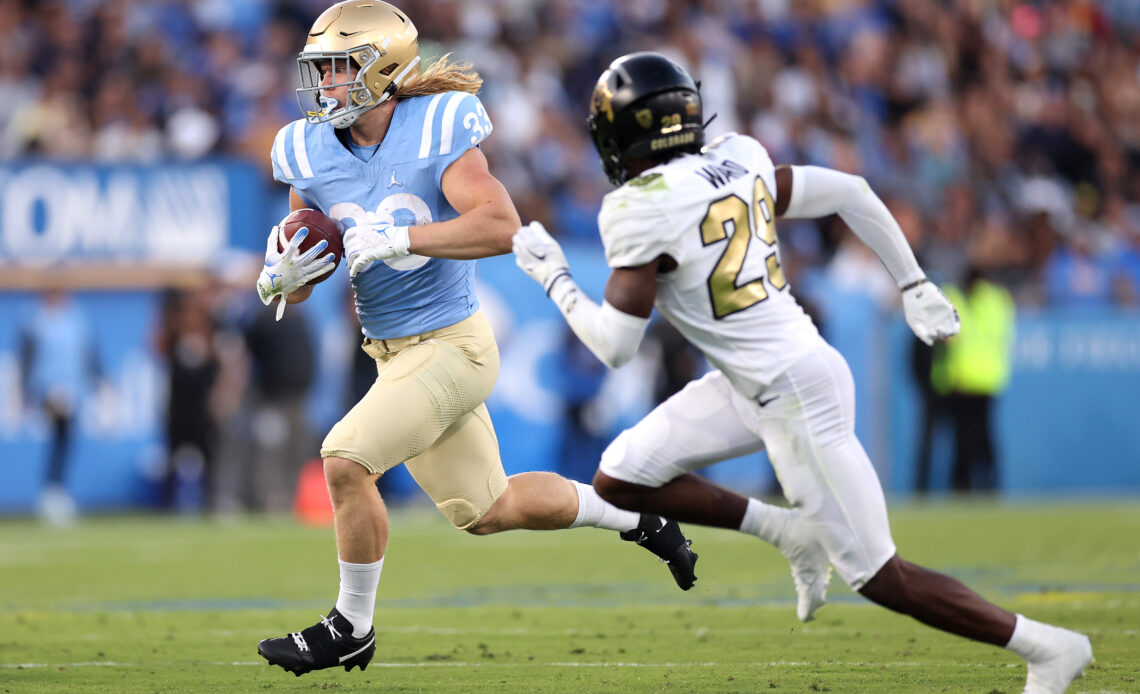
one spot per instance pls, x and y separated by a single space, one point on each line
374 37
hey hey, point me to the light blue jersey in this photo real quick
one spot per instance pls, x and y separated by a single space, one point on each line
401 184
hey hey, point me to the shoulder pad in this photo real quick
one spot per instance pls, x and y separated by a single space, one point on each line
452 123
290 153
634 227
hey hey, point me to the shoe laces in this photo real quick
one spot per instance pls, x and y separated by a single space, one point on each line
332 629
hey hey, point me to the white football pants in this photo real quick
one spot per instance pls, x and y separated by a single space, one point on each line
806 420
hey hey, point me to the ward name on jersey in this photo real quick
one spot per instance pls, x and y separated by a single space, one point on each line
398 185
713 213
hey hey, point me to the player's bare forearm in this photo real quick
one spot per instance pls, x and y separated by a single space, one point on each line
482 231
487 218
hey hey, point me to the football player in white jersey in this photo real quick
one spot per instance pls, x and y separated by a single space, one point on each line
392 155
691 230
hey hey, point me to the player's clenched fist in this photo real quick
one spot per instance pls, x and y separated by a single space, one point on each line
539 255
929 313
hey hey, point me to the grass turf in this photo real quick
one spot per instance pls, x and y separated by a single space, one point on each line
143 604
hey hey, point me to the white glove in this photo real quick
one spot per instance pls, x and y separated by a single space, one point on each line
285 272
539 255
929 313
374 240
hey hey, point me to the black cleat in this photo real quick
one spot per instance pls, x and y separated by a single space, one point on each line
328 643
663 537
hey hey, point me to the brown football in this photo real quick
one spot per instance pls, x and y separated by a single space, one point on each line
320 227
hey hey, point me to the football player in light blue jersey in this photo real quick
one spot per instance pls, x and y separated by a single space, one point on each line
392 155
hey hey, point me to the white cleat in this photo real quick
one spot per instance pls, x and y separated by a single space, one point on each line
811 570
1060 661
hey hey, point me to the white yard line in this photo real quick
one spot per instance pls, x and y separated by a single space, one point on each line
571 664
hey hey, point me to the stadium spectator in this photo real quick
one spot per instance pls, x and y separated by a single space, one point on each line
186 340
951 104
578 379
283 364
60 367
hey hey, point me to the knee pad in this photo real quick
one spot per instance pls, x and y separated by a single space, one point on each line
635 459
462 513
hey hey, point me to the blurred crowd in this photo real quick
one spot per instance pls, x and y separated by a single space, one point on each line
1004 134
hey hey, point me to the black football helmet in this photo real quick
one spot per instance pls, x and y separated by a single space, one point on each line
644 106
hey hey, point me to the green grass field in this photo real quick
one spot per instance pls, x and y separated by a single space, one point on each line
142 604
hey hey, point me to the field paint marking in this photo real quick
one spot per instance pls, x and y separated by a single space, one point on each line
775 663
587 633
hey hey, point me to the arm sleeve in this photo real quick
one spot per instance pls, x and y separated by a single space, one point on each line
613 336
818 192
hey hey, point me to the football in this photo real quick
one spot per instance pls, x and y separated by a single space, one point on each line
320 227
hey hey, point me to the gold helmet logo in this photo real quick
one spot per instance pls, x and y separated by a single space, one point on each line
644 118
603 100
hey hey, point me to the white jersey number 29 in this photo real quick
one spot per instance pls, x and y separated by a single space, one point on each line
726 294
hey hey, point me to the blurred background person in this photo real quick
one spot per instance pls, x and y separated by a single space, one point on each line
186 341
583 436
60 366
972 370
283 364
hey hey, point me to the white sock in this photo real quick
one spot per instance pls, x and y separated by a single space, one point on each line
1028 638
595 512
357 599
766 521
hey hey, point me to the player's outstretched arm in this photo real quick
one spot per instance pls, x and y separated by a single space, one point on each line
613 330
815 191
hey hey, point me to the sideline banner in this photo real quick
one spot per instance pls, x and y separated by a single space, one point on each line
169 213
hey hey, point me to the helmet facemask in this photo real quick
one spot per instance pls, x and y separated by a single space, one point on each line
323 109
373 38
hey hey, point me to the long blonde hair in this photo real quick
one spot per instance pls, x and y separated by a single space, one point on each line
443 75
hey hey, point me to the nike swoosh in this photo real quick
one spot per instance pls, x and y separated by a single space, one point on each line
540 257
765 402
358 650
